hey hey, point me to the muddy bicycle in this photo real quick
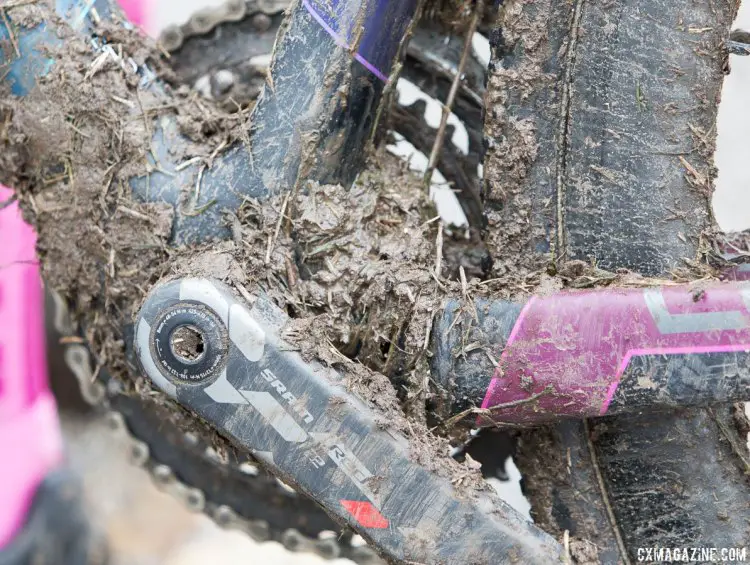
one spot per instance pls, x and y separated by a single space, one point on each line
273 274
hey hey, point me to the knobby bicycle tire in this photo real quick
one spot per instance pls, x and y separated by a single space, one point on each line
601 134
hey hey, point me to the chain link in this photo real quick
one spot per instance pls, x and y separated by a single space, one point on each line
206 20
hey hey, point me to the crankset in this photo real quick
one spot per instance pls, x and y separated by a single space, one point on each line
301 421
224 53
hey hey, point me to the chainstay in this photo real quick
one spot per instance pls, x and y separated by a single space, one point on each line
207 19
109 399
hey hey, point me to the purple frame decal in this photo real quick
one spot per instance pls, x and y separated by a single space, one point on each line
581 343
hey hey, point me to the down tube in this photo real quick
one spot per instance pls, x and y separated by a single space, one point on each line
314 118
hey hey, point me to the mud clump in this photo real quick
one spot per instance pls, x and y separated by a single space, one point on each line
457 14
513 136
67 150
584 552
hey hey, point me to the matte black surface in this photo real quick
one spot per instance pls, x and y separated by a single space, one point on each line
465 377
676 381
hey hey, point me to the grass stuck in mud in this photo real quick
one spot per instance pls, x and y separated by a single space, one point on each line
360 270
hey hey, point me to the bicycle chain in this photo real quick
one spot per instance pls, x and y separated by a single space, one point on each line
208 19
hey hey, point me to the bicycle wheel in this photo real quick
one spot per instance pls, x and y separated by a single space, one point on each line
600 137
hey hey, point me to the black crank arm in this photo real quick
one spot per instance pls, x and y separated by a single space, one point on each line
300 421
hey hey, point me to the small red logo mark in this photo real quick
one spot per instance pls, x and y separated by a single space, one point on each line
365 513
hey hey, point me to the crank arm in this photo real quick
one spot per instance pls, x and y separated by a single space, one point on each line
299 420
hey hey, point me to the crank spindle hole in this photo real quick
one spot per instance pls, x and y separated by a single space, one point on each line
187 343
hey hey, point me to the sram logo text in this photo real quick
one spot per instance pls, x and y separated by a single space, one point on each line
296 405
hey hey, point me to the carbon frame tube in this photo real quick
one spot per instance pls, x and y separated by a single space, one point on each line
312 122
593 353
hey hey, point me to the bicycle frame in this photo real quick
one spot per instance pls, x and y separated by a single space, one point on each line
657 331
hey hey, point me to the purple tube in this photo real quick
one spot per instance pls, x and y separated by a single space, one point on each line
575 354
376 28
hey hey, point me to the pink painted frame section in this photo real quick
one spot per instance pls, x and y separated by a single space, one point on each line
582 343
30 439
